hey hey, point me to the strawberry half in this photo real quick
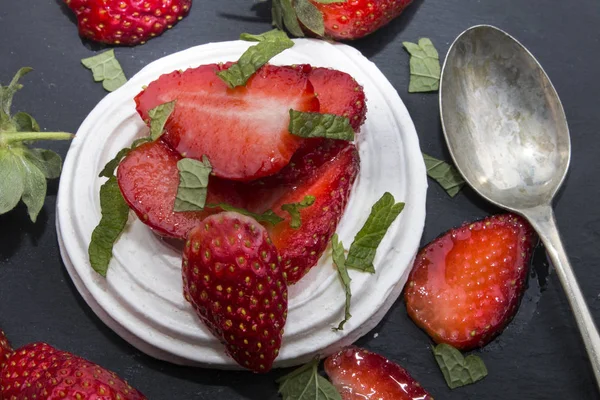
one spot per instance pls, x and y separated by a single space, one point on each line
466 285
327 173
359 374
233 279
126 22
148 178
243 131
39 371
5 349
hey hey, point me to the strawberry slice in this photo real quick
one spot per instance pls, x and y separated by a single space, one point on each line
327 173
466 285
232 277
148 178
359 374
243 131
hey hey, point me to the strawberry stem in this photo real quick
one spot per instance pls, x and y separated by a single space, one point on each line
12 137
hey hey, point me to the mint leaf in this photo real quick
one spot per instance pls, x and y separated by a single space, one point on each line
445 174
294 210
305 383
109 168
329 1
310 16
193 184
313 124
274 34
458 370
424 66
106 69
46 161
268 216
339 259
115 212
11 181
158 118
25 123
363 249
271 44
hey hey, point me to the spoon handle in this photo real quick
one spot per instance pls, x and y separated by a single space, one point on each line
542 219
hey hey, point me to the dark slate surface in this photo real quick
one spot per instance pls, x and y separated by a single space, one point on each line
539 356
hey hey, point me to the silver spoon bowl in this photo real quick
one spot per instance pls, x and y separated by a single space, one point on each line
507 133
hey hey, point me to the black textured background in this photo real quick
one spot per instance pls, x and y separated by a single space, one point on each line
539 356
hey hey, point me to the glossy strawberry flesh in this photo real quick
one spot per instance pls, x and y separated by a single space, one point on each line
359 374
148 178
327 173
126 22
39 371
232 277
466 285
243 131
354 19
5 349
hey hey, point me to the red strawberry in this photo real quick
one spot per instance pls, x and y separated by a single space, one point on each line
339 94
243 131
5 349
466 285
126 22
39 371
232 277
148 178
327 173
359 374
348 20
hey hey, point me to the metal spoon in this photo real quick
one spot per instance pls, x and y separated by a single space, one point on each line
508 135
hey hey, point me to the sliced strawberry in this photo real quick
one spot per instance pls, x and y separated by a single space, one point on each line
359 374
39 371
148 178
232 277
243 131
339 94
327 173
466 285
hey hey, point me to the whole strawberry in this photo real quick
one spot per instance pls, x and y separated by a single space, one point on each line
232 277
359 374
340 20
39 371
5 349
126 22
466 285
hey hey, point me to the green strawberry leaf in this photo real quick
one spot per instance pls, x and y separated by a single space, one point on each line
193 184
276 15
46 161
294 210
305 383
445 174
424 66
23 171
268 216
290 19
363 248
106 69
313 124
271 44
11 180
115 212
158 118
25 123
339 259
458 370
310 16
